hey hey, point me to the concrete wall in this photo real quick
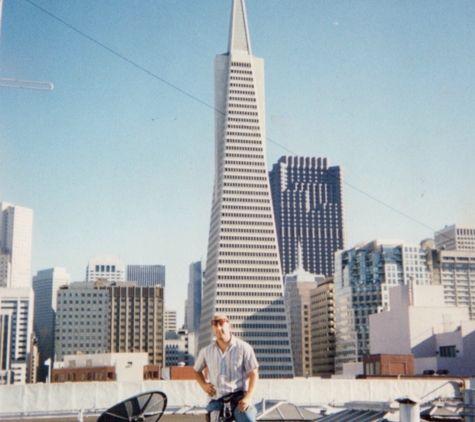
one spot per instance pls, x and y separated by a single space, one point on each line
385 335
70 397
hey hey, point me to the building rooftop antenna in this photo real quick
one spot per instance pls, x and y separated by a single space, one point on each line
22 83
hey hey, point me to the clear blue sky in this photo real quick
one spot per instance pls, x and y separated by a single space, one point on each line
115 161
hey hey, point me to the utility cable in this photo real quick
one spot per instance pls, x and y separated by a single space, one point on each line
182 91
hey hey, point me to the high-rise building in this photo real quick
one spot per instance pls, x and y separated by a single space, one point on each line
193 302
16 228
298 286
146 275
170 324
307 195
177 349
322 323
193 307
114 317
82 319
16 331
46 284
452 263
456 238
107 267
362 278
136 320
243 277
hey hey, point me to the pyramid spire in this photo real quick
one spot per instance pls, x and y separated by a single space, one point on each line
239 40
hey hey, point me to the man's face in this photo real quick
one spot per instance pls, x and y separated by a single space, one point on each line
222 329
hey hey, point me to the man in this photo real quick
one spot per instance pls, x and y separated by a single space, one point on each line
232 368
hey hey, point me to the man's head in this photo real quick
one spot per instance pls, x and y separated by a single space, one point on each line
221 327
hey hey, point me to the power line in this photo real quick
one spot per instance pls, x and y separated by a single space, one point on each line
175 87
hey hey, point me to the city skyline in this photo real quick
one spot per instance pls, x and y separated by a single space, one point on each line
113 161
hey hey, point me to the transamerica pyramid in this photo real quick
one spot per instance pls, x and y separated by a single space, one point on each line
243 274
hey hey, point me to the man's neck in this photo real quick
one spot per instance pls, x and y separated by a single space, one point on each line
223 344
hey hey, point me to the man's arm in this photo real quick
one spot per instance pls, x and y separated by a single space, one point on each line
246 401
207 387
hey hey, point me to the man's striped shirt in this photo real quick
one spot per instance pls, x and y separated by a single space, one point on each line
227 371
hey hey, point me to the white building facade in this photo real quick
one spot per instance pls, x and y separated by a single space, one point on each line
243 274
456 238
170 321
16 229
16 331
419 323
452 262
108 267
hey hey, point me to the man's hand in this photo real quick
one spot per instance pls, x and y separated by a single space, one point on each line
208 388
244 404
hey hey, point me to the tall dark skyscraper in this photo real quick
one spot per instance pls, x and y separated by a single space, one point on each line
309 209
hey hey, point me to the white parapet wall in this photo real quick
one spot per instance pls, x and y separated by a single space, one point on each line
97 396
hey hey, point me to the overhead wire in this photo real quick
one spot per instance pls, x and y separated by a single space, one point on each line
193 97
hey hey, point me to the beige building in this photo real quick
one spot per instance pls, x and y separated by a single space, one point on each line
136 315
103 317
298 286
322 322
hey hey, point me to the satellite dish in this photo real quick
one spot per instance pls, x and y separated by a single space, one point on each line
145 407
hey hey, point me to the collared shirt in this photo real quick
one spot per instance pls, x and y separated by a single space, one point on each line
227 371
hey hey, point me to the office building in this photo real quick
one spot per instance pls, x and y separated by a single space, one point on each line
243 276
16 228
298 286
193 301
452 263
322 323
170 323
362 278
146 275
107 267
456 238
193 306
82 319
46 284
16 333
104 317
308 201
177 349
136 320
